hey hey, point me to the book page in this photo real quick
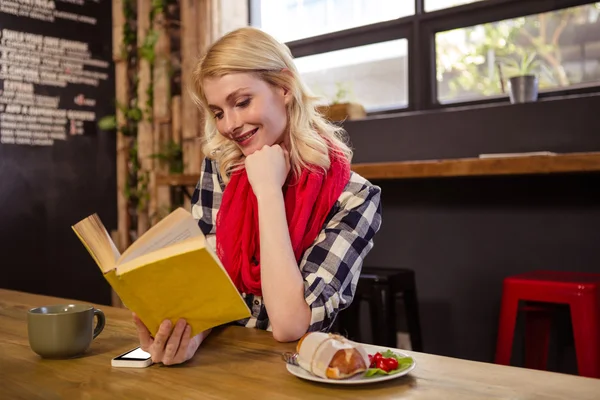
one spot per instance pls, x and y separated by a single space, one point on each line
176 227
97 241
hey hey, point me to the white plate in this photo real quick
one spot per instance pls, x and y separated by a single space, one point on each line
357 379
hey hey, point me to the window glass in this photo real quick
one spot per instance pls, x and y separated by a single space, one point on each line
289 20
433 5
562 48
374 75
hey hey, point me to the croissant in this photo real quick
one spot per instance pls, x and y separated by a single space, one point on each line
332 356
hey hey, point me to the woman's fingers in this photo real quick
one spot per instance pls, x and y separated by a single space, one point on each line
143 333
173 345
184 353
162 336
170 346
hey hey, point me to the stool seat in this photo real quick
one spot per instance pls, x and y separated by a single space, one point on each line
581 291
583 280
400 278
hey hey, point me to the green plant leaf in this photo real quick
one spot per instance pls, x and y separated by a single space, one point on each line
107 123
134 114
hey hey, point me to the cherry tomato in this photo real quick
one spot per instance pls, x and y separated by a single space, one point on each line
377 356
381 364
390 363
371 361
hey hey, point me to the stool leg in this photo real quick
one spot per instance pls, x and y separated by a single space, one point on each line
537 338
378 315
585 314
411 307
390 317
349 318
506 328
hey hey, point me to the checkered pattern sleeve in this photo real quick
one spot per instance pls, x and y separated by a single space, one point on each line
206 199
331 266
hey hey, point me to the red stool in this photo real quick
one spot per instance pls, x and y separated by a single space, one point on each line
581 291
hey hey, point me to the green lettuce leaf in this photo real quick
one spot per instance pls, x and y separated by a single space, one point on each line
403 364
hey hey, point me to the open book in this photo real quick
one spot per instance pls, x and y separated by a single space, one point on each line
170 272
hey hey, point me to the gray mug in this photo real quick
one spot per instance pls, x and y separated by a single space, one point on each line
63 330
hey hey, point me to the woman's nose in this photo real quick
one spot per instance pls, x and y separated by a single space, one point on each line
232 126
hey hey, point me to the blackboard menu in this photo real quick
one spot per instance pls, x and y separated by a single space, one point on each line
54 66
56 166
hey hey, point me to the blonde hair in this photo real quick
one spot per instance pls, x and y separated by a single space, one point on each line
250 50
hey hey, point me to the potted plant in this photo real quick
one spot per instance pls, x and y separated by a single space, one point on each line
522 78
341 107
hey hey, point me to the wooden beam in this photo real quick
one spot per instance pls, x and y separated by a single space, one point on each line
144 134
123 142
162 80
176 119
118 21
189 110
190 130
160 199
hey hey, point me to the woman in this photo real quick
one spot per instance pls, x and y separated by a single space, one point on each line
276 197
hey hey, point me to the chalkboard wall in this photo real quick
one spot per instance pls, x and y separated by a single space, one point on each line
56 167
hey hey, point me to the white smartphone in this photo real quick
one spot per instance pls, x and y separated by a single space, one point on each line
136 358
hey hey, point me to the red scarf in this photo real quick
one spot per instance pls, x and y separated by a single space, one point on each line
308 201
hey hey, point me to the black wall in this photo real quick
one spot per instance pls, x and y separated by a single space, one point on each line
462 236
46 189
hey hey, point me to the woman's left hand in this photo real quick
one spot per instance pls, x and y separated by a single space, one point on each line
170 346
268 169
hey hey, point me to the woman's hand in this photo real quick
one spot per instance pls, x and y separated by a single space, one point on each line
268 169
170 346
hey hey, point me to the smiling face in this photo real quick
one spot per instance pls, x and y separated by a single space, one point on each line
247 110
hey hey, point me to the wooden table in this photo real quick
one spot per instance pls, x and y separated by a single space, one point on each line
241 363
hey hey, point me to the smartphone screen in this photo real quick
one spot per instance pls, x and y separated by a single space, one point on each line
136 354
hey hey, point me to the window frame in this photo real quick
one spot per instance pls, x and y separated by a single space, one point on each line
420 30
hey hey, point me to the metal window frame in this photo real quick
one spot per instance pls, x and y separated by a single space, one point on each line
420 30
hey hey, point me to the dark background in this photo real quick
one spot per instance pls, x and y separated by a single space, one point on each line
45 190
463 235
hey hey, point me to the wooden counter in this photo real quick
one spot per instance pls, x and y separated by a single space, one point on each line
241 363
526 165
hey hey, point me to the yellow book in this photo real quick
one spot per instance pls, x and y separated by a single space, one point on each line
170 272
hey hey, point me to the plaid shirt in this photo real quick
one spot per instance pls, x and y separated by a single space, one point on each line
330 267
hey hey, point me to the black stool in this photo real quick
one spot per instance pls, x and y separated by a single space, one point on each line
381 287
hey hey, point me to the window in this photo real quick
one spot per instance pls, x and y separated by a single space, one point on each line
561 47
433 5
410 55
375 75
289 20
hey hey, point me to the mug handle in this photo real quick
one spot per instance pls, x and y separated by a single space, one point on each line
101 322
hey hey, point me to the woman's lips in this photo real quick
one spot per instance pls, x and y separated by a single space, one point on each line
244 139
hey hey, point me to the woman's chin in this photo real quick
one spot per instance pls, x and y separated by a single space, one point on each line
251 148
247 151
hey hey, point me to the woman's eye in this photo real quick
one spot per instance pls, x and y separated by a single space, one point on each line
218 115
244 103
